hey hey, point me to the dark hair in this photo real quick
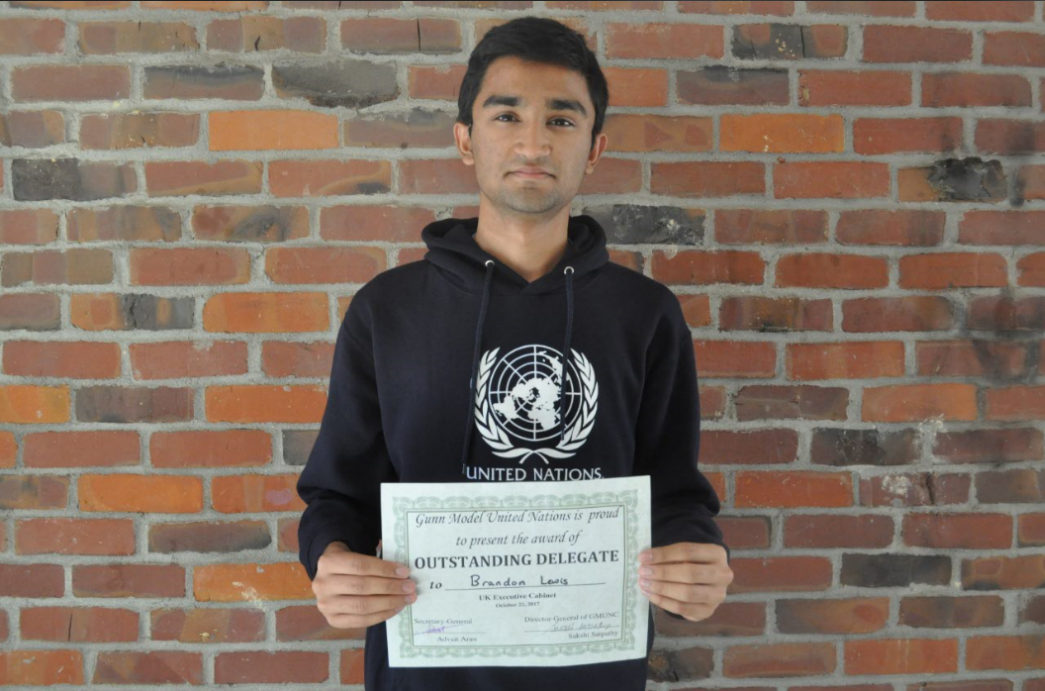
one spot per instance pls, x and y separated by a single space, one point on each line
537 39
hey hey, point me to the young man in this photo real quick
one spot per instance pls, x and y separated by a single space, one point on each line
495 300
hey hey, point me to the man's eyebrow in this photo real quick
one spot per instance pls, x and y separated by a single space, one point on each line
552 103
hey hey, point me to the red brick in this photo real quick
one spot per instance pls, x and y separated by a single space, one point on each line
829 270
651 40
948 270
901 656
792 489
707 179
836 179
696 267
853 88
854 360
876 136
884 43
965 89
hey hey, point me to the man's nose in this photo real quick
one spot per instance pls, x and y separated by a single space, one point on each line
534 143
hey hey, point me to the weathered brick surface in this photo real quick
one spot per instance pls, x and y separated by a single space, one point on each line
847 198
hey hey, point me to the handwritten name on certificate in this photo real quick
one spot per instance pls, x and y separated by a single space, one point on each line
518 573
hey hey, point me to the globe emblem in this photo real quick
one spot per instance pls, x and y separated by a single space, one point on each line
524 393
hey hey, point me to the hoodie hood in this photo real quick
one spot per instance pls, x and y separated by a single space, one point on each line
452 247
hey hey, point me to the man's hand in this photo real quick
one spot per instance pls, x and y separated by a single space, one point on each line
687 578
355 590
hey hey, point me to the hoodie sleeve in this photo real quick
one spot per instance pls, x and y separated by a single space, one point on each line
341 481
667 439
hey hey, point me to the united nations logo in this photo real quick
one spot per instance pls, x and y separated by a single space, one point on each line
517 397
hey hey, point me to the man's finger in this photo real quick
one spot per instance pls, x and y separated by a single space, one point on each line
350 584
682 592
679 573
697 552
353 563
368 604
354 621
690 611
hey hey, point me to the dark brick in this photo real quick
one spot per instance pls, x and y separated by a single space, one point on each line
1016 486
297 445
759 402
894 570
224 81
32 129
209 537
967 179
945 612
682 664
348 83
842 447
1003 313
629 224
36 180
134 404
989 446
31 311
791 41
722 85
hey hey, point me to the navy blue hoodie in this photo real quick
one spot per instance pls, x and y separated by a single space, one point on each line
422 341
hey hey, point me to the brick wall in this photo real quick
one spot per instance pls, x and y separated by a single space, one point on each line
847 198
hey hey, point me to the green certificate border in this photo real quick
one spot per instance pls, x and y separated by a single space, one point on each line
627 498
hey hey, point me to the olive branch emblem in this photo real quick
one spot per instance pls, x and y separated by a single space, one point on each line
575 435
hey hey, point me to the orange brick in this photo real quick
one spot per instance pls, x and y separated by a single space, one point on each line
257 130
266 312
251 582
28 404
919 402
782 133
41 667
255 493
260 403
637 86
140 493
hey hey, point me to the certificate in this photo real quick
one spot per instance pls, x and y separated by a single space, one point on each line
518 573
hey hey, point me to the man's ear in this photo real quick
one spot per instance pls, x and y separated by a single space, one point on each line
463 139
597 147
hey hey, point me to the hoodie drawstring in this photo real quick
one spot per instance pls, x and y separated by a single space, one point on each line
566 352
470 421
475 363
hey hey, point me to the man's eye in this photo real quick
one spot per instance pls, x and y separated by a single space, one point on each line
513 117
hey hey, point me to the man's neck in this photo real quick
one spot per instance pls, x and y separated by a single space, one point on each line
529 249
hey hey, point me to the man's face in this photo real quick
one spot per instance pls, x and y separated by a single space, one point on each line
530 115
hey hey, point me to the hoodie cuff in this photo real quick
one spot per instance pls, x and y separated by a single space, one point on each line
319 545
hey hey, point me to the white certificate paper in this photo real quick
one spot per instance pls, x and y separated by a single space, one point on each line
540 574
